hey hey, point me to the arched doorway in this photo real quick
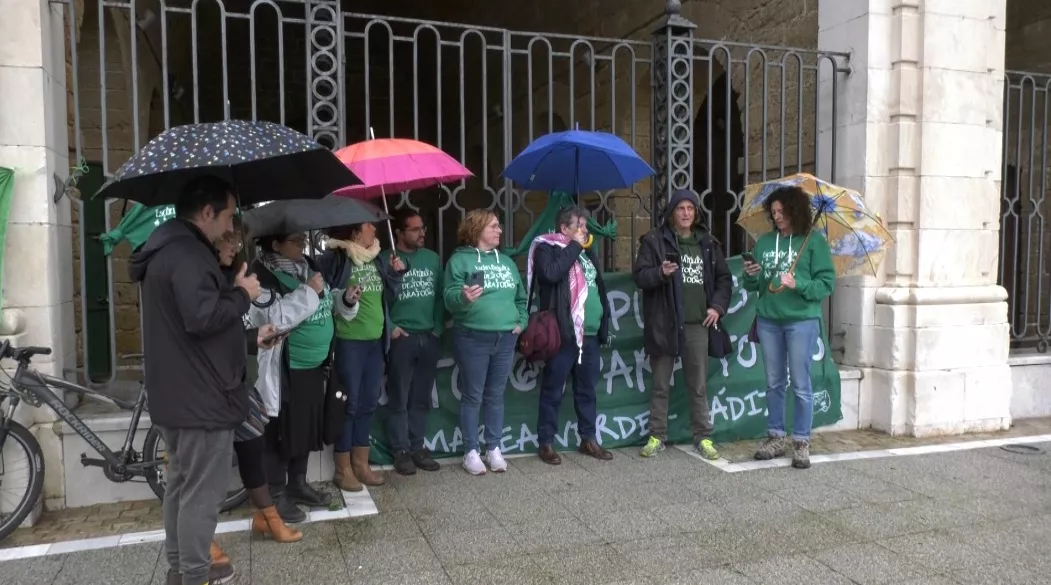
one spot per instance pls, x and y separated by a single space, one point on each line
718 173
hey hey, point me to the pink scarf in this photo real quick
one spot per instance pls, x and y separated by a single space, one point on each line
578 285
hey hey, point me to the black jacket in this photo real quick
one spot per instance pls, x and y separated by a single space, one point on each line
551 266
662 302
193 332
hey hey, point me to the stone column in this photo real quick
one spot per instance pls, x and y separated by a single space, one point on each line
918 128
38 258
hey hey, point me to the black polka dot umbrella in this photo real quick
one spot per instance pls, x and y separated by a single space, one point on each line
264 161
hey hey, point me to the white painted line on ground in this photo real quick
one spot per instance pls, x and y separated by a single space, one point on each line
357 505
730 467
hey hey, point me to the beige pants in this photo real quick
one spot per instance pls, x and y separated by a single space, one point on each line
695 371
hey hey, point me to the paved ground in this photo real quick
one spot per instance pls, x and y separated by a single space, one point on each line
966 517
110 519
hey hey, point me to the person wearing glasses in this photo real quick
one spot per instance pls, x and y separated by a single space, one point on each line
418 315
293 374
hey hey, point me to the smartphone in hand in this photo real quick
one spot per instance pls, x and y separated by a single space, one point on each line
673 258
477 278
747 256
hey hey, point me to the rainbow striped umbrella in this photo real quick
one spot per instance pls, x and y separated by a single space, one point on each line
393 165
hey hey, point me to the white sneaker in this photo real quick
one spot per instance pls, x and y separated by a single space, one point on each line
496 461
473 463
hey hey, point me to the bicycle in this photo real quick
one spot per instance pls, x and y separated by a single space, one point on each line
127 464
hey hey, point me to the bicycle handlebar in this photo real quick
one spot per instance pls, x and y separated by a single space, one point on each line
22 354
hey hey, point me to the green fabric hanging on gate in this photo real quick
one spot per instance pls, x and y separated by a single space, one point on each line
545 223
7 191
136 226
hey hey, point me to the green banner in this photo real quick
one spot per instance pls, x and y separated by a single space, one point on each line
736 388
7 192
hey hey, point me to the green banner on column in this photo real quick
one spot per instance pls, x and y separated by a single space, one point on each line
736 388
7 192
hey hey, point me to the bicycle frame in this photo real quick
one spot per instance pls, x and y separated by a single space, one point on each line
39 386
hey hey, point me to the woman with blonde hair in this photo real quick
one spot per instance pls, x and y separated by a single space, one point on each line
485 295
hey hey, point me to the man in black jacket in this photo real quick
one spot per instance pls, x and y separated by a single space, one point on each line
195 362
686 288
567 277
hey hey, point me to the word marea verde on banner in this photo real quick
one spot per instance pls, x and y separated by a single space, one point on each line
736 387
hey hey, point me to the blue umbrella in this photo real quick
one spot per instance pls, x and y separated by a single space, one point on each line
577 161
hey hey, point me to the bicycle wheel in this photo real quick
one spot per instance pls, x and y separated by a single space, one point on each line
20 457
153 450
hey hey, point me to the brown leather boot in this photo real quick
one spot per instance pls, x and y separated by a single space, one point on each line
268 522
359 460
344 475
592 448
548 455
219 557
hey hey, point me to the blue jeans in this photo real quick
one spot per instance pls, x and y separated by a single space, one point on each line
788 344
360 368
553 381
484 359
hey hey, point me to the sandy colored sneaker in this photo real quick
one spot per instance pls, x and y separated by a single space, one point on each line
801 454
773 446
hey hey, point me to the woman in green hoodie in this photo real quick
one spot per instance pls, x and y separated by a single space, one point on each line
793 273
484 294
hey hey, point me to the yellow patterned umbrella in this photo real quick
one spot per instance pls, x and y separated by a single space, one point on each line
857 237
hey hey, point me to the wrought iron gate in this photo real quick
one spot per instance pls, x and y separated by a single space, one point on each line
709 115
1025 237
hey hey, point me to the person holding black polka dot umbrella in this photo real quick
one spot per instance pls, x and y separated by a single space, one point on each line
194 344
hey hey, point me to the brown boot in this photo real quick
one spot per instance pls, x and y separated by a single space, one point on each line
359 459
218 556
268 522
344 475
548 455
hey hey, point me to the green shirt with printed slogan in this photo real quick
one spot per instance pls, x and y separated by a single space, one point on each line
593 302
419 306
694 301
309 343
502 305
367 325
814 273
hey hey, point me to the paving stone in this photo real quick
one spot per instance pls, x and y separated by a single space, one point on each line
940 551
506 571
870 564
791 569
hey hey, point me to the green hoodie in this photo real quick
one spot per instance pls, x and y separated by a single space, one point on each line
420 306
502 306
815 276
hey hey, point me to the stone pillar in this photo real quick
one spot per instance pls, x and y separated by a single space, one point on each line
918 129
38 258
672 134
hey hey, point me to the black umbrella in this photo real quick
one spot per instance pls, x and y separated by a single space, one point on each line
302 215
264 161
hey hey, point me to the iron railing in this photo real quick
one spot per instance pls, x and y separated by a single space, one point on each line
709 115
1025 237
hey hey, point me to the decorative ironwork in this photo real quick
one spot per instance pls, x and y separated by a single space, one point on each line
1025 260
325 55
672 106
